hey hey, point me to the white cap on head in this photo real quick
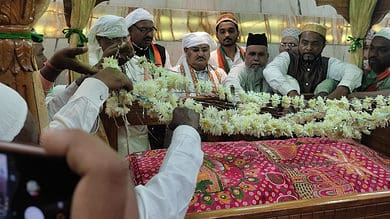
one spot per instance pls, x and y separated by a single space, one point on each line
385 32
198 38
138 14
291 32
110 26
13 113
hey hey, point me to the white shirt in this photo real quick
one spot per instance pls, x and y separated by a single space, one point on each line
168 194
236 59
77 107
238 73
275 73
137 135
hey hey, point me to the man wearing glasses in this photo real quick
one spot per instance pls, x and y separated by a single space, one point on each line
290 38
140 25
141 29
310 69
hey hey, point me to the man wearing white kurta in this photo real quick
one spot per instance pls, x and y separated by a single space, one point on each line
248 76
193 63
309 68
228 54
169 192
135 137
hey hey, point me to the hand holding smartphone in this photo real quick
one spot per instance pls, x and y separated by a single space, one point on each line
34 184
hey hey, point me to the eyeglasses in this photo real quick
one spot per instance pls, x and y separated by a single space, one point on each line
145 30
283 44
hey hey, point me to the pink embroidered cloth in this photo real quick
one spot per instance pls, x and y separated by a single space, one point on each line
244 173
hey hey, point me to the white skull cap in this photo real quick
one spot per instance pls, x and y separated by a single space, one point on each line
198 38
291 32
385 32
13 113
110 26
138 14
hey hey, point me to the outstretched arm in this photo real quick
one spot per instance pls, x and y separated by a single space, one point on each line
168 193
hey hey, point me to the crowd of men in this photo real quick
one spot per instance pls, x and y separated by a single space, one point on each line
299 69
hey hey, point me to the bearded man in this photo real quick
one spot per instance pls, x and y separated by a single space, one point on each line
309 68
248 76
377 80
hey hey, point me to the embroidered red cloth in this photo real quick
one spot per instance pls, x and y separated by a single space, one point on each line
244 173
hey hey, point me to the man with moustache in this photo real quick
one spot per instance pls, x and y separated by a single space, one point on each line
290 39
194 62
248 76
377 80
309 68
229 53
140 25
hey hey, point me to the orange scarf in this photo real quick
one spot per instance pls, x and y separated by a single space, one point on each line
221 56
379 78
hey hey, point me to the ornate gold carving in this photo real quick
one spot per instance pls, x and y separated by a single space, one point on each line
16 63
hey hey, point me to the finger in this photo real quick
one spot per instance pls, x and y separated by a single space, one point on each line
83 68
76 145
127 84
58 142
75 51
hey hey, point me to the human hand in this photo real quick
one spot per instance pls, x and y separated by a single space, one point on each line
66 59
184 116
114 79
292 93
339 92
104 175
321 94
122 52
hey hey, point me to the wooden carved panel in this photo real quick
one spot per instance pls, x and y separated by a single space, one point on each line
17 63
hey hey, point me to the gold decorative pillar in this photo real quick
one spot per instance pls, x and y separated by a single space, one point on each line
17 64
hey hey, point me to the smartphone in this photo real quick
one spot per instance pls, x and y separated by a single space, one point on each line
34 185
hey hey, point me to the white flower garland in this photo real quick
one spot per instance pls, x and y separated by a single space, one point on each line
315 117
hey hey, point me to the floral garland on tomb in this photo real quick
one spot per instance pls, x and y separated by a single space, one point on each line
245 114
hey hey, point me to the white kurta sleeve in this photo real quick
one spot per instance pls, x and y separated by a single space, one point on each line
168 193
275 73
348 74
56 100
82 109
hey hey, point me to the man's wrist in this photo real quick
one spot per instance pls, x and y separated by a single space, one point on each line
49 72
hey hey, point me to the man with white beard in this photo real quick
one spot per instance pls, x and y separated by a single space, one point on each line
248 76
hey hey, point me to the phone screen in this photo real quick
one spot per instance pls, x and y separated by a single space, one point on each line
34 186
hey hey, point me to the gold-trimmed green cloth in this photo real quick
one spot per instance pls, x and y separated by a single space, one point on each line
19 36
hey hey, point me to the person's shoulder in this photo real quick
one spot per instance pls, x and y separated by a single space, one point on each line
237 70
238 67
214 51
218 69
159 46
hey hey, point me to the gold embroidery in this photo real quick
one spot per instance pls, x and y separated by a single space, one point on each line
195 78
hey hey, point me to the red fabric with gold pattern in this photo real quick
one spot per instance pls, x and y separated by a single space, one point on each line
236 174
